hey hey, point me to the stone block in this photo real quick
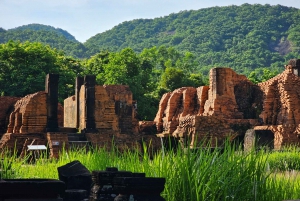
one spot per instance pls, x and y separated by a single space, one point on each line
75 175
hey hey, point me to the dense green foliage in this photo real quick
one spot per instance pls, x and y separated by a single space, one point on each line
154 56
242 37
23 68
149 74
56 38
38 27
201 175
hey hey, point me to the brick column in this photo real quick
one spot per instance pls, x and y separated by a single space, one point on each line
295 63
51 88
79 83
58 142
89 82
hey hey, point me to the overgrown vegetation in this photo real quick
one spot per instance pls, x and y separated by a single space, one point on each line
23 67
242 37
154 56
201 175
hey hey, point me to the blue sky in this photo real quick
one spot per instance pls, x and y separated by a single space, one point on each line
86 18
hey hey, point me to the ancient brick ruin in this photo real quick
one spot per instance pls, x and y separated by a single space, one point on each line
6 104
95 115
232 106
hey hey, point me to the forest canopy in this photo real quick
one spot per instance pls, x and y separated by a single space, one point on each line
153 56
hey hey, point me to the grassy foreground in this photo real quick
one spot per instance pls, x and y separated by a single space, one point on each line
190 175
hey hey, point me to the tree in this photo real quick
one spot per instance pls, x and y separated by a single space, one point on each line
95 66
172 78
24 66
262 75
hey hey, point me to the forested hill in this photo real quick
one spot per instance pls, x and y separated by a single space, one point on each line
55 37
38 27
246 36
154 56
242 37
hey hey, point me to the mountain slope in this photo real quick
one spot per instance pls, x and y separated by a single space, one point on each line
242 37
38 27
246 36
56 38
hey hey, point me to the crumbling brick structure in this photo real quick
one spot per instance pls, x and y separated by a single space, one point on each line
231 105
110 109
106 114
97 115
224 109
6 107
281 113
30 118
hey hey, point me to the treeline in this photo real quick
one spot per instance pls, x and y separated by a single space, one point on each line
149 74
154 56
242 37
54 37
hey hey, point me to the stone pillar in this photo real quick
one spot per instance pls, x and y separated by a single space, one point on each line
249 140
51 88
295 63
89 82
58 142
79 83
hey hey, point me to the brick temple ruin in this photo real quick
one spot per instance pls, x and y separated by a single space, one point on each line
95 115
231 107
234 108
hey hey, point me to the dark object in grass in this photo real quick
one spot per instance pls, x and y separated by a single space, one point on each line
31 189
76 176
75 195
114 185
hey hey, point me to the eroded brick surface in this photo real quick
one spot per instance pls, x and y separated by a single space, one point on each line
105 116
230 105
225 109
19 142
281 109
29 115
6 107
57 142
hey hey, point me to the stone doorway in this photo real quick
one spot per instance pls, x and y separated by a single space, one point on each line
264 139
259 139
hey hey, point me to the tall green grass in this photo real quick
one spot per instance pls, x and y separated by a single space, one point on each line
190 175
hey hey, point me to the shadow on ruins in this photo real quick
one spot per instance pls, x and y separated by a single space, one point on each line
231 107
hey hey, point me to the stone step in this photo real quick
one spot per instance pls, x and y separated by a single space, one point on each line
78 140
76 137
68 130
76 134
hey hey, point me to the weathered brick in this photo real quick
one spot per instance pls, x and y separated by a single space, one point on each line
232 104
